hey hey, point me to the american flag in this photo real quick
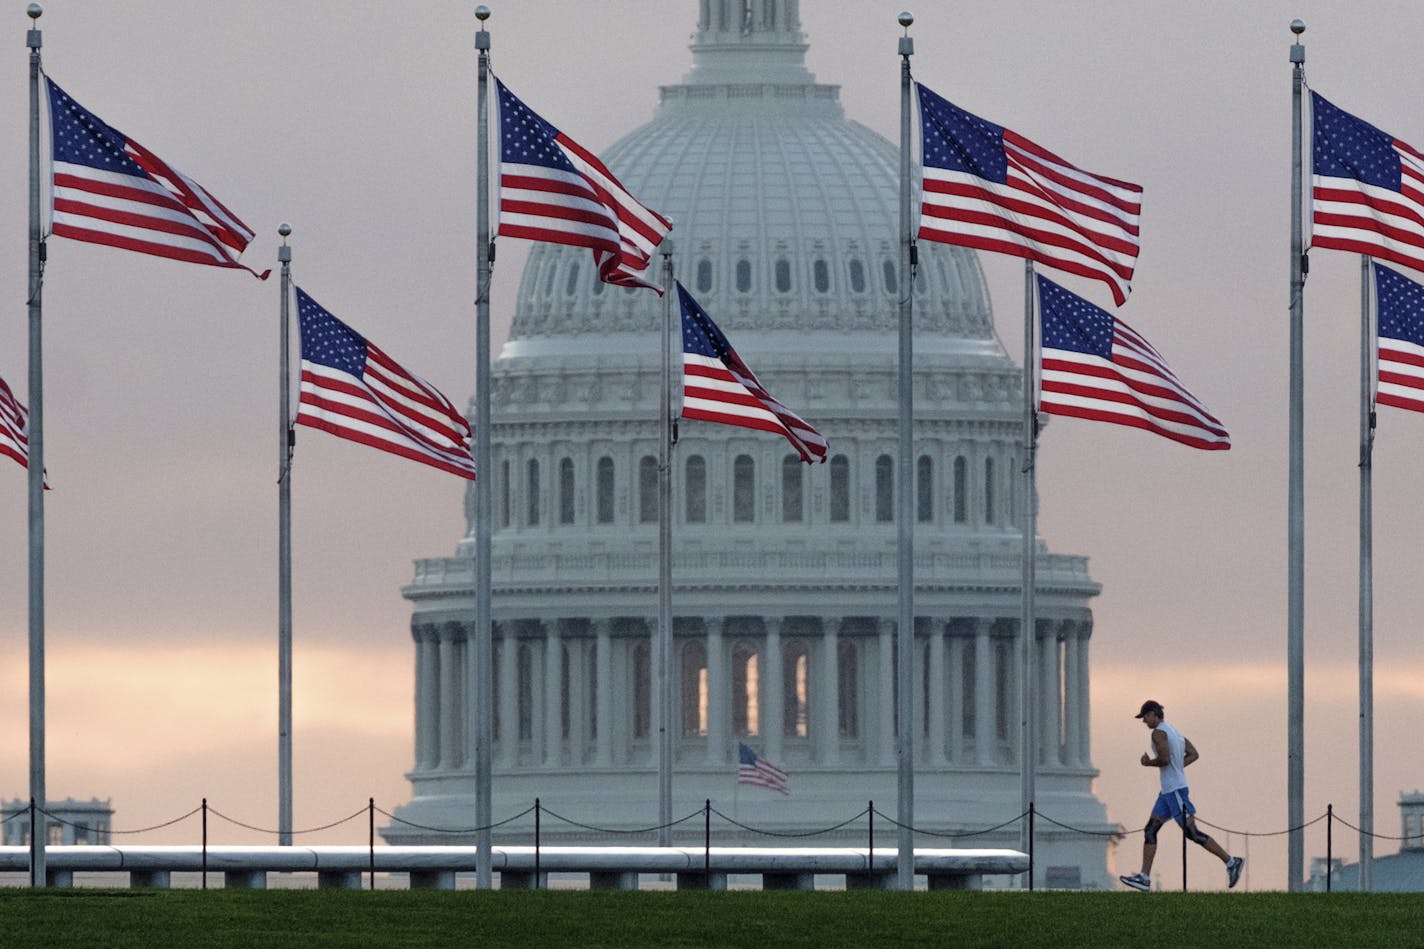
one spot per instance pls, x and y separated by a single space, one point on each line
353 390
986 187
754 769
109 189
14 427
1095 366
553 189
1399 305
718 387
1368 188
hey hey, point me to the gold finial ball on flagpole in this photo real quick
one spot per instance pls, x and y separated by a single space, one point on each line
906 18
33 11
1297 26
482 13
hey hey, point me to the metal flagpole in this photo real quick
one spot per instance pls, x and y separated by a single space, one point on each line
905 628
484 495
285 444
1295 595
664 641
1028 624
39 835
1367 583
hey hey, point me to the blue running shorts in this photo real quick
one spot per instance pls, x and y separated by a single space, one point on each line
1173 804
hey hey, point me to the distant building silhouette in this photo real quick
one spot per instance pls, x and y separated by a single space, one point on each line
1401 872
70 821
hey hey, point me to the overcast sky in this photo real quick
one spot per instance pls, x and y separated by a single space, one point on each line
355 121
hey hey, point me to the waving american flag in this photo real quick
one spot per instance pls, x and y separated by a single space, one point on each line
14 427
553 189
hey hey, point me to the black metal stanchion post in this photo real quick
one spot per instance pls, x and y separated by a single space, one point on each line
707 841
1329 833
1184 853
371 839
1030 846
870 849
34 842
536 843
205 843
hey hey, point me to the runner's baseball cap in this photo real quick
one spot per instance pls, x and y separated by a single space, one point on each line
1151 705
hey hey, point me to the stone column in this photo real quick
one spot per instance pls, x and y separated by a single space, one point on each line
553 694
1081 700
1050 738
476 694
956 699
578 700
449 711
937 695
508 696
427 698
826 694
885 727
603 684
986 683
536 693
773 712
718 692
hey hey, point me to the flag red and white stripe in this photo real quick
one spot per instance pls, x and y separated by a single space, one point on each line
14 427
987 187
109 189
554 190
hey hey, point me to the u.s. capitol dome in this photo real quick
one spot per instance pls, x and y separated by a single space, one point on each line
784 575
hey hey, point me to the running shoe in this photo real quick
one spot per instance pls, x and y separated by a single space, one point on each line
1233 871
1138 881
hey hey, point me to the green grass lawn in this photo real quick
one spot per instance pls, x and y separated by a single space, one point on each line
321 918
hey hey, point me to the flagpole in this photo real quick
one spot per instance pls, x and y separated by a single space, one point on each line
484 496
905 627
1295 595
664 641
285 444
1028 624
39 835
1367 583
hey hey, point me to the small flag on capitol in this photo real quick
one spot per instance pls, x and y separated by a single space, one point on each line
1399 303
718 387
353 390
552 189
1095 366
754 769
1367 188
987 187
109 189
14 427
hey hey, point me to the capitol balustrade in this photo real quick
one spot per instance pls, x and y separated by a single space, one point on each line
732 566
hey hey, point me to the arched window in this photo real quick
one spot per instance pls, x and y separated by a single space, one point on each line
532 488
746 681
796 688
694 689
840 489
695 490
551 270
704 275
598 286
743 490
857 276
884 489
961 490
744 276
572 283
848 698
642 689
605 490
791 493
988 490
924 489
821 276
892 277
783 275
647 490
504 489
566 491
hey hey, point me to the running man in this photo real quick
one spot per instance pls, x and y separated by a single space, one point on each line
1171 753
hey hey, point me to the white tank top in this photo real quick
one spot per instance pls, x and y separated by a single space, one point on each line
1174 777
